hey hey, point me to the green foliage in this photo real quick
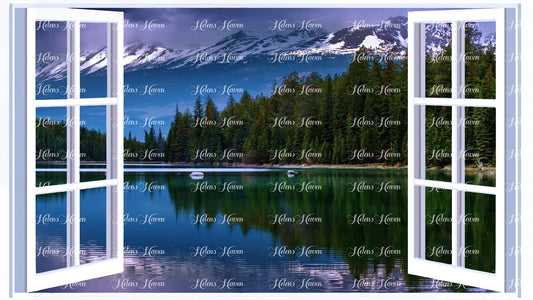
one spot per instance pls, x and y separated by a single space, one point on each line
372 92
480 82
363 110
329 108
52 138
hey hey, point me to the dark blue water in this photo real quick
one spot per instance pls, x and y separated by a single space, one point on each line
321 230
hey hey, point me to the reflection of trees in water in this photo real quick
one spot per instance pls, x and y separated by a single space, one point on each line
333 203
479 222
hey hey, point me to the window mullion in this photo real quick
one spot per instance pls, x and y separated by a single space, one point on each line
455 102
114 140
73 143
458 144
419 137
469 188
77 102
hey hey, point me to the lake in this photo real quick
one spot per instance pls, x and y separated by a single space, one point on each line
258 230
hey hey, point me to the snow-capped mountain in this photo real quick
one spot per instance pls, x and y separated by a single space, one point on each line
388 37
438 37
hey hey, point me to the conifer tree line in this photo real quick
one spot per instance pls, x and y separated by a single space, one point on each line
479 122
51 142
364 110
340 115
359 116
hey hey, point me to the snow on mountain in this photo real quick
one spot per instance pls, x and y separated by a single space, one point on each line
388 37
438 37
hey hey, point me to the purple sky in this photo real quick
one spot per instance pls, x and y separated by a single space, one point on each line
178 33
172 27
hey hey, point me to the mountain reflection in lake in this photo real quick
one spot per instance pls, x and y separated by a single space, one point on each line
321 230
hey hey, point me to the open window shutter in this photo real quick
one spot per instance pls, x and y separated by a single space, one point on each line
504 194
114 260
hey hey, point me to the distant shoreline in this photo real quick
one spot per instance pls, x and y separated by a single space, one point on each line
286 166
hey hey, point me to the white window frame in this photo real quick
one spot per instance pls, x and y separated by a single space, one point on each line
114 261
504 278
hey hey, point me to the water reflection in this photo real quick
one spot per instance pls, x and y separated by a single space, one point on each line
321 230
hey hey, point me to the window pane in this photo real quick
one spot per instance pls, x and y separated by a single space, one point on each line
438 142
51 231
480 232
51 146
480 146
93 143
438 225
93 61
438 60
50 60
92 225
480 60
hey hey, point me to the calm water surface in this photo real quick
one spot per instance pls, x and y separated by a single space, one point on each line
262 231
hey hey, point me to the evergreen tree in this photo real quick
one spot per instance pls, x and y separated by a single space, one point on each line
210 135
373 90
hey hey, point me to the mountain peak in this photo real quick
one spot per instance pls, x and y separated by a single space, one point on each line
241 35
244 33
308 33
398 20
389 36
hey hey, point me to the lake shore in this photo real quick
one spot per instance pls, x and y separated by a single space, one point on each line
470 168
